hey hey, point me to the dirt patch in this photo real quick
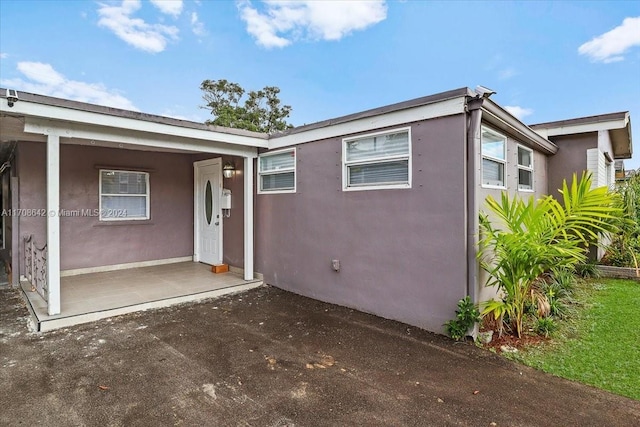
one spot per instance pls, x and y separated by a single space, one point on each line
511 341
267 357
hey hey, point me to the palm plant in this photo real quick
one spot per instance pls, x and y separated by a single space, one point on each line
536 236
624 250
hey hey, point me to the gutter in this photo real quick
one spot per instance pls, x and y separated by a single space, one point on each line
506 122
473 108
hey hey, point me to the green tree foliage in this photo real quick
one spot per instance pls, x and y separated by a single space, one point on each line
535 237
259 111
624 250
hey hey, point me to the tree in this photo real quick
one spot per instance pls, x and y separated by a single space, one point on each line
537 236
624 250
261 110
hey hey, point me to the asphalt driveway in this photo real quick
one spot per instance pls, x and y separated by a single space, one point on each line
271 358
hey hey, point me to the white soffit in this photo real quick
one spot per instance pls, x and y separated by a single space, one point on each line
584 127
143 139
67 115
402 117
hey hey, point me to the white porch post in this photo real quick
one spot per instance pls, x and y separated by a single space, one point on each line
248 218
53 224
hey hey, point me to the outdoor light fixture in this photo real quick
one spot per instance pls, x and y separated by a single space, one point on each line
228 170
12 97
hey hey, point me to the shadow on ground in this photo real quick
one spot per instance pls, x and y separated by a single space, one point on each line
270 358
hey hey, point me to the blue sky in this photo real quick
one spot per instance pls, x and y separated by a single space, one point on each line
546 60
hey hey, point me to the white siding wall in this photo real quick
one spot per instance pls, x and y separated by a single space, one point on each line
597 165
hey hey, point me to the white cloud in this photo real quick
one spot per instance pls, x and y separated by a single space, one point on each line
41 78
196 26
4 55
507 73
519 112
169 7
135 31
283 22
610 46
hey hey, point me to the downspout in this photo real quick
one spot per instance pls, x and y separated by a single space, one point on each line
473 108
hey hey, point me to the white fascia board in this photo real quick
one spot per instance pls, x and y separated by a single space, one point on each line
447 107
586 127
123 136
31 109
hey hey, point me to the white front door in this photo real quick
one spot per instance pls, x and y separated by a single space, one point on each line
208 224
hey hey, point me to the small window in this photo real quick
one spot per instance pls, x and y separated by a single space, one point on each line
493 158
124 195
377 161
525 169
277 172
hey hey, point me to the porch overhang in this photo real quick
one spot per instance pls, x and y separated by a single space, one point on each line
54 121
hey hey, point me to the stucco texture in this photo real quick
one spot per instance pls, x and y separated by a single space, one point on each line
401 251
571 158
84 240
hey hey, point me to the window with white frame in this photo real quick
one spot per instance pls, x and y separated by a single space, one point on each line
277 172
525 168
494 161
377 161
124 195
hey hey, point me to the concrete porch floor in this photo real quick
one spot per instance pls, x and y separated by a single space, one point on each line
94 296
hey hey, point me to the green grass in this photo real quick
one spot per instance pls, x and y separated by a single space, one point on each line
601 345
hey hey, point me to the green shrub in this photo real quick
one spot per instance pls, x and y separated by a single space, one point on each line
535 236
467 315
545 326
587 270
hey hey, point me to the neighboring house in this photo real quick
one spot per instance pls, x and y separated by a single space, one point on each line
619 170
377 211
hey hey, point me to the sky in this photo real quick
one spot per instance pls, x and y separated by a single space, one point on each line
547 61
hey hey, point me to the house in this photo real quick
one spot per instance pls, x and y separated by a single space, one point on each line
377 210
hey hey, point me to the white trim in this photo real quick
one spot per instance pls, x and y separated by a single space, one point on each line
63 322
502 161
364 187
196 208
525 168
447 107
147 196
125 266
293 169
583 127
240 271
53 225
131 140
63 114
248 218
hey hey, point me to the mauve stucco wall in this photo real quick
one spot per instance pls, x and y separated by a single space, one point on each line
402 251
570 158
87 242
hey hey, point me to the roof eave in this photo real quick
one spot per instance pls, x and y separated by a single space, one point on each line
617 124
507 122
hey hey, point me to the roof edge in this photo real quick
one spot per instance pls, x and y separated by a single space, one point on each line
598 118
509 123
412 103
128 114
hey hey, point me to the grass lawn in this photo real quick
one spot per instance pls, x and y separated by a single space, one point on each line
601 347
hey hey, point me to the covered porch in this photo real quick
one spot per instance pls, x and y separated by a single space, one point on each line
94 296
86 266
